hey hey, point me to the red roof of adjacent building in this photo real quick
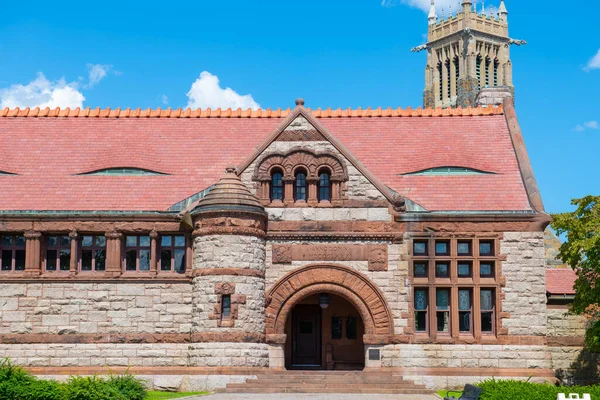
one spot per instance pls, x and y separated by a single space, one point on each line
560 280
47 150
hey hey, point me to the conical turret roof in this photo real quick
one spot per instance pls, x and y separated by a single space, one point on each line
230 193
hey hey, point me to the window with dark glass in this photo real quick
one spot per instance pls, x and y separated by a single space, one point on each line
486 269
12 253
442 248
421 301
58 253
324 187
465 269
137 253
487 310
300 186
172 253
336 327
442 269
465 306
486 248
463 248
420 269
277 186
226 306
442 299
420 247
351 328
93 253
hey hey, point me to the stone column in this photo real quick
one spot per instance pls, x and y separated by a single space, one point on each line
33 253
153 252
312 183
288 190
113 254
74 257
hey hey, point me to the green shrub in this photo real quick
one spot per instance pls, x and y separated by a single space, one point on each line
91 388
520 390
129 386
18 384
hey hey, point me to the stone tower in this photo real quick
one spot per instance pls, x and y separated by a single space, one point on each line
466 52
228 302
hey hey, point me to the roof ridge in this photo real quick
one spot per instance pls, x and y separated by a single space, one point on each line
247 113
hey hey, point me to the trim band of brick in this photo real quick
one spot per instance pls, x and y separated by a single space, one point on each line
229 272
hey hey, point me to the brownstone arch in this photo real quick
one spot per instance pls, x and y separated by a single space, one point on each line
334 279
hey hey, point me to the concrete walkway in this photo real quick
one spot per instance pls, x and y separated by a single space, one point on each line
312 396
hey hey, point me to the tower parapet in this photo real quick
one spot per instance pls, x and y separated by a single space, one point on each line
466 52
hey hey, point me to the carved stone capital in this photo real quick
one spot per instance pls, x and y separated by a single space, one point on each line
32 235
113 235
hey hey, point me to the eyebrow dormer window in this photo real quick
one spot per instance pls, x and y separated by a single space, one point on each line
277 186
300 186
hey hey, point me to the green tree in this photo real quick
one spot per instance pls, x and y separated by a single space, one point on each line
582 252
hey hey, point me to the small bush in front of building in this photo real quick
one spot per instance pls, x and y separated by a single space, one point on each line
18 384
520 390
129 386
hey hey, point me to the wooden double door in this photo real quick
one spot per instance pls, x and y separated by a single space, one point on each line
306 337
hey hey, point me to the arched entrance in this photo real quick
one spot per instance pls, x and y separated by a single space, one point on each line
350 290
324 331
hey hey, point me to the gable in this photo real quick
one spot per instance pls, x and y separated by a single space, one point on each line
302 133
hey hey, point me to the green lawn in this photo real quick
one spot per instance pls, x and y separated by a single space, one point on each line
446 393
153 395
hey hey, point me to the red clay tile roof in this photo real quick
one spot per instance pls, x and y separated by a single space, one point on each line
560 280
239 113
48 153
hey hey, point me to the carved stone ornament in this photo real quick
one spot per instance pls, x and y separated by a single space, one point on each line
375 254
297 156
398 202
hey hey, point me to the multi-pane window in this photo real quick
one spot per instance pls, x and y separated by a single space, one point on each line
277 186
324 187
300 186
421 302
351 328
93 253
465 310
12 253
172 253
442 269
465 269
58 253
455 284
137 253
420 269
487 310
442 303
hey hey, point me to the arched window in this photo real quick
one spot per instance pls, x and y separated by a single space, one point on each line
449 79
478 70
300 186
277 186
456 71
324 186
439 68
496 64
488 64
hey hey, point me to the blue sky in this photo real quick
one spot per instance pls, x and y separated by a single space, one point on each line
332 53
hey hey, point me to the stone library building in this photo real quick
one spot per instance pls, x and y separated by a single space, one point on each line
206 248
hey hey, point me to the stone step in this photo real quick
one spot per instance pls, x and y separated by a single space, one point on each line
323 386
300 379
372 390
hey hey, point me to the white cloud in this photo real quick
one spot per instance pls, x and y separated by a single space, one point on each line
164 99
42 93
207 93
97 72
586 126
594 62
